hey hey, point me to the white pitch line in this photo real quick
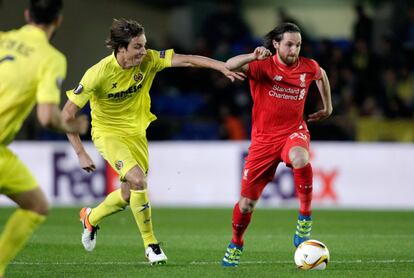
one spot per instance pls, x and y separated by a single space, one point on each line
79 263
334 262
390 261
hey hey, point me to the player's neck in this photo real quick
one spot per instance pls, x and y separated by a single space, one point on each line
123 62
48 29
279 60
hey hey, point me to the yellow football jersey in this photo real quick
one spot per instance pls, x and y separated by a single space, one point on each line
31 70
119 98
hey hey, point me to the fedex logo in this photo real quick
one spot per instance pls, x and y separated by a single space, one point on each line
282 187
72 184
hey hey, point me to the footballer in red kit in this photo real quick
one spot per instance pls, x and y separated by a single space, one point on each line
279 83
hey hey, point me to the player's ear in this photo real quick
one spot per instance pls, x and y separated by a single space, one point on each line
27 16
121 49
58 21
275 44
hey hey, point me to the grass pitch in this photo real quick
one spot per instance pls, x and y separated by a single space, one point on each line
361 243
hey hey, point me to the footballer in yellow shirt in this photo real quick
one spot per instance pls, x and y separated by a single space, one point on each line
31 71
118 89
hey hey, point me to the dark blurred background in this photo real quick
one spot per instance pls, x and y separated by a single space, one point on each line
366 47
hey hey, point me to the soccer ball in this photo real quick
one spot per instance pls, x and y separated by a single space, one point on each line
312 254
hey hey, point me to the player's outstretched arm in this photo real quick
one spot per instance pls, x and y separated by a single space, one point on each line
180 60
325 91
241 62
69 114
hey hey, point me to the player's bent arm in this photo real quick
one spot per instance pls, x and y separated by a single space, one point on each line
241 62
69 114
325 92
180 60
50 116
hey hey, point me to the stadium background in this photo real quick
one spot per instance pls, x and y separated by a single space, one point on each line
363 154
370 68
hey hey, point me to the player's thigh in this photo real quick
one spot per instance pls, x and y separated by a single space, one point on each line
120 153
15 177
139 148
259 169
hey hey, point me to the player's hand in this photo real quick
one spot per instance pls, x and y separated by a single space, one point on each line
83 122
319 115
233 75
261 53
86 162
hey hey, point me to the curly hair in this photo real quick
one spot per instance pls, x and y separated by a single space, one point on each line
122 31
277 34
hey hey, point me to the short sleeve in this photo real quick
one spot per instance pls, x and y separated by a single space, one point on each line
50 79
254 70
317 70
161 59
81 94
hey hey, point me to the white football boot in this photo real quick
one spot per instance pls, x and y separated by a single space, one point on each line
155 255
89 232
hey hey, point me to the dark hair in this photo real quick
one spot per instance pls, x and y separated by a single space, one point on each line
45 11
277 34
122 32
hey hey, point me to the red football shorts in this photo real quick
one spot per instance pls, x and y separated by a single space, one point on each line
262 160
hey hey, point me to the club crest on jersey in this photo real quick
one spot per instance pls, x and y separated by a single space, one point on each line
245 173
78 89
162 54
302 79
119 164
138 77
277 78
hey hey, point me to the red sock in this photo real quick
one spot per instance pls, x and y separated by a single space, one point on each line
240 223
303 184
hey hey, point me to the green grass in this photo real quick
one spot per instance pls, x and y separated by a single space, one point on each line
361 243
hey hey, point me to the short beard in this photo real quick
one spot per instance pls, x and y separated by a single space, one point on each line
288 61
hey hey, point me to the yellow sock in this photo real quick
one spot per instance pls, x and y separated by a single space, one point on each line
141 209
112 203
17 231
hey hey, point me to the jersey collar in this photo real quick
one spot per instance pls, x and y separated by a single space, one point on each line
115 62
279 64
35 31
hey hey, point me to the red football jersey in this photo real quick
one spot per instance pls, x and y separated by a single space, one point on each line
279 94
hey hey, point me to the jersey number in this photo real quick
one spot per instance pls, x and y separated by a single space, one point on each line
7 58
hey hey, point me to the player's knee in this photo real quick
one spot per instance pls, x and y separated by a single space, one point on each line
299 157
43 209
246 205
33 200
138 183
125 191
40 207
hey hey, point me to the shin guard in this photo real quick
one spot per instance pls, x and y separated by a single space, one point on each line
303 184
